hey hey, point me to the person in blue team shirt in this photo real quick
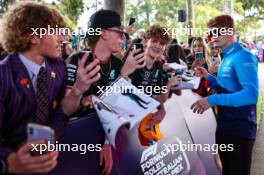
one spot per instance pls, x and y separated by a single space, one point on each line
236 85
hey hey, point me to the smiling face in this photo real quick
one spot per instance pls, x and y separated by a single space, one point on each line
154 48
156 39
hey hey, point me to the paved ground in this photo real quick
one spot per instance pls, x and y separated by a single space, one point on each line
257 167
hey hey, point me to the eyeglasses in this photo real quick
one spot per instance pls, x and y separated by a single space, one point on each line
119 32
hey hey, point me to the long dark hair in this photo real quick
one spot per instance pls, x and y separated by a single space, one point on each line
175 53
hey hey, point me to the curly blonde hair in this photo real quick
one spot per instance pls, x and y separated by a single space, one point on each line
19 20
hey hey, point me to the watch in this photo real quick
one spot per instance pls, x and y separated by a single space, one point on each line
3 167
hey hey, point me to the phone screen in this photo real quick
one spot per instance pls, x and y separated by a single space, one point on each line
199 55
39 132
138 46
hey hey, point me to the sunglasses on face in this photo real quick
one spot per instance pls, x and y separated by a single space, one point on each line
119 32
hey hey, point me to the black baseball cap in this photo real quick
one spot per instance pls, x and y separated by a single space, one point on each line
104 19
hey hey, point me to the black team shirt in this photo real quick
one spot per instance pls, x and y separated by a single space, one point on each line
150 80
109 73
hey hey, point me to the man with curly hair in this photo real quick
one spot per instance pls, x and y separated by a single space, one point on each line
33 77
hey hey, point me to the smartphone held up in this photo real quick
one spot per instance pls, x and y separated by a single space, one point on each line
37 132
138 46
199 56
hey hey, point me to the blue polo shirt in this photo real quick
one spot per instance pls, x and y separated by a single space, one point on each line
237 75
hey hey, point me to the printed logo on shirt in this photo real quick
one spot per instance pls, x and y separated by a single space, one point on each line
147 75
72 66
249 64
70 79
156 74
70 75
71 71
112 74
226 72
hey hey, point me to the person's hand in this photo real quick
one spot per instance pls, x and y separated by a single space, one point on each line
201 72
160 58
174 81
23 162
214 68
198 63
165 67
133 62
86 75
157 117
200 106
130 29
106 158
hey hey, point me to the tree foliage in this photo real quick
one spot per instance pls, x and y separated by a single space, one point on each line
4 4
165 12
72 8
